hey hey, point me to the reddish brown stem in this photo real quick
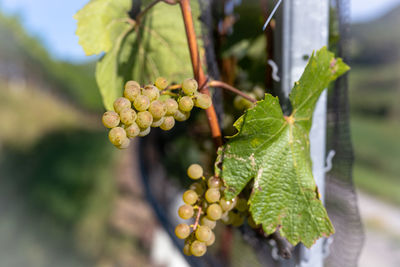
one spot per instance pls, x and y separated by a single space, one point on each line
196 223
226 86
198 70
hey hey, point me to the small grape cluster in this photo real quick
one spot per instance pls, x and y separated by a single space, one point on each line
241 103
142 108
204 202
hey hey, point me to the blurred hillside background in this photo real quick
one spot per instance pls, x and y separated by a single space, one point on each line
66 193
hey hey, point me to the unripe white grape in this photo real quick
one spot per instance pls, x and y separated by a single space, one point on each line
241 204
171 105
182 230
141 103
186 212
211 240
117 136
214 212
132 130
227 205
198 248
151 92
189 86
121 103
212 195
168 123
202 101
132 84
144 119
208 222
181 116
161 83
144 132
186 104
259 92
190 197
203 233
125 144
186 250
195 171
128 116
132 90
242 103
110 119
157 109
158 122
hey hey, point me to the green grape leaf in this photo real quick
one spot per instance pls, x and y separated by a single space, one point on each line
273 151
100 22
156 47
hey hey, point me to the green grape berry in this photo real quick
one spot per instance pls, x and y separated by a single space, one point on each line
181 116
186 212
238 220
157 123
132 84
144 132
132 130
214 182
186 104
125 144
144 119
157 109
205 221
117 136
203 233
227 205
252 223
128 116
121 103
168 123
195 171
211 240
132 90
186 250
171 105
198 248
212 195
241 204
190 197
141 103
202 101
182 230
214 212
189 86
198 188
151 92
110 119
259 92
161 83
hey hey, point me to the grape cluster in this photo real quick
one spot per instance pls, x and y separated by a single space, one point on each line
241 103
204 201
142 108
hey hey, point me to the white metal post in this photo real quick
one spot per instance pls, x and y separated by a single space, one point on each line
305 27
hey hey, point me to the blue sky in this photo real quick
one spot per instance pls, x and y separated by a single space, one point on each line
52 21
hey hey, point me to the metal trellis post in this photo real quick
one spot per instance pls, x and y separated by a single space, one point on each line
304 26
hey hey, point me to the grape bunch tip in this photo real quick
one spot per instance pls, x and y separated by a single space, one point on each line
143 108
205 203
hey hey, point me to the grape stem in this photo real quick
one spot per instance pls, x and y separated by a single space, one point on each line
147 8
228 87
198 70
173 87
196 223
